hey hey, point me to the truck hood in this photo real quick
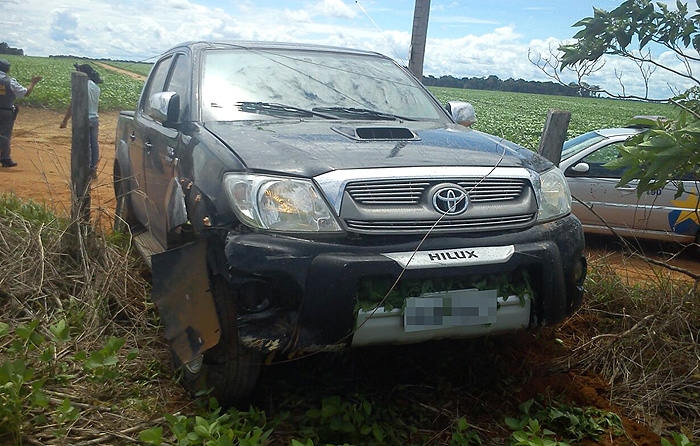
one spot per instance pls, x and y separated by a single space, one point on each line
310 148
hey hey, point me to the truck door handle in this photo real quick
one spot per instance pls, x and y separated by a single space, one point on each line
132 137
148 146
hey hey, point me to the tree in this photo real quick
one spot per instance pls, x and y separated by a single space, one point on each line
7 49
671 148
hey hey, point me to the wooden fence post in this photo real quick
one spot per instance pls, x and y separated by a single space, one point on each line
80 154
554 135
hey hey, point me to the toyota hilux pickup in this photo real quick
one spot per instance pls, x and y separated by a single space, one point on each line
293 199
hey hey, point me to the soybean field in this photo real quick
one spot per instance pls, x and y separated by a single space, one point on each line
520 117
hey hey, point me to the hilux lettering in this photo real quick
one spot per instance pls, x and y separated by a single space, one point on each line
455 255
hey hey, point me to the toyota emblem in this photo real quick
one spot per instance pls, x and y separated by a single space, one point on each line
450 200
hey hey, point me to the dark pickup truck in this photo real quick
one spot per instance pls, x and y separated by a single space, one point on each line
295 198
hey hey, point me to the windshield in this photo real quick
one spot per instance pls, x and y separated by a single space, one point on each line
244 84
581 142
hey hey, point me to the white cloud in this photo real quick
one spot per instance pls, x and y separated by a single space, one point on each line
138 30
335 8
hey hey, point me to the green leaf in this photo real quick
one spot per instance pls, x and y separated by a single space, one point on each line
152 436
4 329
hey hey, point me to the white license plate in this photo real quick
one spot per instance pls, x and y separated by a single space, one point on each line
449 309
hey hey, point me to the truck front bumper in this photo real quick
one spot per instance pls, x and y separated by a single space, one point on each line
315 283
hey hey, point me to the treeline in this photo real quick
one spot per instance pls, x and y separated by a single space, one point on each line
512 85
7 49
102 59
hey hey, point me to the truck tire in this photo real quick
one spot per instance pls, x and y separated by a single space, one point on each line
228 370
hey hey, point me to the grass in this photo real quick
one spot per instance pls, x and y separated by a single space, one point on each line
83 361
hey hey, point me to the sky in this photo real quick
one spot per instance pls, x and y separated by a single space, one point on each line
466 38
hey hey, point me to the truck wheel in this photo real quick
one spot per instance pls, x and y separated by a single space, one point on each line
124 217
228 370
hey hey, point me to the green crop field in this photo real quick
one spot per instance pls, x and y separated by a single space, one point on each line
141 68
518 117
119 92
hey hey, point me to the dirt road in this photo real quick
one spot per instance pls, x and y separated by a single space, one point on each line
42 151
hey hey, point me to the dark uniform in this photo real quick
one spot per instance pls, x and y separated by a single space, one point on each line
7 114
10 90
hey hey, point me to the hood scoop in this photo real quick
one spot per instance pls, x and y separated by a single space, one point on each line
377 133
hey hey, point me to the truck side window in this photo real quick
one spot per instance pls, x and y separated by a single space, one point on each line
179 82
157 82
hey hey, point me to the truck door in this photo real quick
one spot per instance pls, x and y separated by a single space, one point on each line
140 149
162 146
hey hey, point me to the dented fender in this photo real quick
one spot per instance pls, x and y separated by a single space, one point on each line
177 211
182 294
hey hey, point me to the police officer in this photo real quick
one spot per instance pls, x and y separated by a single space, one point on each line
10 90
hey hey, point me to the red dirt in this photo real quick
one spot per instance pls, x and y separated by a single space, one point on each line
42 151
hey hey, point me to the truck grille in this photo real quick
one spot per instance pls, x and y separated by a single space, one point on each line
406 205
406 192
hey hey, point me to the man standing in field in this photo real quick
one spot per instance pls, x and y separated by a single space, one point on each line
10 90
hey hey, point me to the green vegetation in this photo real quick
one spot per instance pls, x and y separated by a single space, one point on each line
141 68
119 92
520 117
670 150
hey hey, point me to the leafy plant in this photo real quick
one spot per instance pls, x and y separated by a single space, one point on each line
679 439
103 364
547 423
213 428
463 435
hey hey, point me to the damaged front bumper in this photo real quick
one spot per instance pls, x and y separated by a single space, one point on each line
307 289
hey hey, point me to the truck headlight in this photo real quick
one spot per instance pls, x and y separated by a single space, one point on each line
279 203
555 197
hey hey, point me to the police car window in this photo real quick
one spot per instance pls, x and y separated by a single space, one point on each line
602 156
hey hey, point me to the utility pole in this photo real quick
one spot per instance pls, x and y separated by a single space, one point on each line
418 38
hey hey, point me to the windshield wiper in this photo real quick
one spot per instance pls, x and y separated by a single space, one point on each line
275 109
362 113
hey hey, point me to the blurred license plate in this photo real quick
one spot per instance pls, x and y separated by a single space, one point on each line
450 309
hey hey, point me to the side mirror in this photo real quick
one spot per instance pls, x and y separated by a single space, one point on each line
462 112
164 107
580 168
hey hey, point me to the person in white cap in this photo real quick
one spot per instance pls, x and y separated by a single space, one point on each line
10 90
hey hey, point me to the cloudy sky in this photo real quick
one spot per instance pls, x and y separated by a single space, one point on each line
465 37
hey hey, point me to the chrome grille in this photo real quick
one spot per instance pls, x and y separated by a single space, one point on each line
390 192
492 189
407 192
422 226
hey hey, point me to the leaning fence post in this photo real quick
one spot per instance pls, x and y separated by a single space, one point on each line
80 154
554 135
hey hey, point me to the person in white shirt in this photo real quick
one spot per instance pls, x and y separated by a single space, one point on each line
93 105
